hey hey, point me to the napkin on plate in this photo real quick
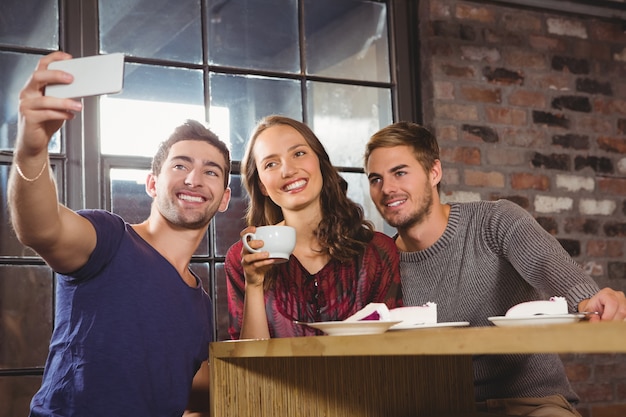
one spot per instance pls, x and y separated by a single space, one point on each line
555 305
409 315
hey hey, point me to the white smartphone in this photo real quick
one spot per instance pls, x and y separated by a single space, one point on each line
93 76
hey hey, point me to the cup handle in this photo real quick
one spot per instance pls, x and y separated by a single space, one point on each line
244 239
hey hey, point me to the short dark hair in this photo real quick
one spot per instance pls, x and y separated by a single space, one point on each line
191 130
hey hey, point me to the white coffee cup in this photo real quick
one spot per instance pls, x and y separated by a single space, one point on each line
279 241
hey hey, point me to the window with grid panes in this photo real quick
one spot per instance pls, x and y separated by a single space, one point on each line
224 62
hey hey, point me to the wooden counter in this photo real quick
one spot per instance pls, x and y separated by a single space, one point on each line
397 373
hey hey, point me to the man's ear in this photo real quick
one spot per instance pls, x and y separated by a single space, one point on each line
151 185
436 173
225 200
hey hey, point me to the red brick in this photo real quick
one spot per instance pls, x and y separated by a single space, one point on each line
526 60
521 22
612 185
481 14
506 157
443 90
608 31
614 410
481 94
523 137
447 133
507 116
460 72
612 144
456 111
464 155
595 392
604 249
594 123
525 98
577 372
484 179
607 372
559 82
544 43
439 10
620 389
527 181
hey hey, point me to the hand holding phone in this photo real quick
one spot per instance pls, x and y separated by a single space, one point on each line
93 76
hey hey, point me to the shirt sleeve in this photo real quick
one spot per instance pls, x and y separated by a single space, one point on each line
382 263
235 289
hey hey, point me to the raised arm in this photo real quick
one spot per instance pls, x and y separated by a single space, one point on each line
63 238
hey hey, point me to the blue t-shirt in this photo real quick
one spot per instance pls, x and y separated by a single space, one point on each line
129 333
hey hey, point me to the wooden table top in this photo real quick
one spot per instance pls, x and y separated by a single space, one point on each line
582 337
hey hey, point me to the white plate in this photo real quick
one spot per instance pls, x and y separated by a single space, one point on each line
342 328
539 320
429 325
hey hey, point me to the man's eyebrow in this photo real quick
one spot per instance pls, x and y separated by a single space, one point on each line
391 170
206 163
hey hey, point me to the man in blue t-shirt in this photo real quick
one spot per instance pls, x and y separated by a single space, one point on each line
132 321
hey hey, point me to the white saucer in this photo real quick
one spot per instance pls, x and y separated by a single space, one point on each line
342 328
539 320
429 325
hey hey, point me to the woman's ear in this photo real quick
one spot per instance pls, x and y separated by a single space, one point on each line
263 189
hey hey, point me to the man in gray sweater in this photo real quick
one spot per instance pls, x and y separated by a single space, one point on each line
476 260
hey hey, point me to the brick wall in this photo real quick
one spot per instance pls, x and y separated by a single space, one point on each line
530 106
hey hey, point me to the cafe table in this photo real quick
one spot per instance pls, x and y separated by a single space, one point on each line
419 372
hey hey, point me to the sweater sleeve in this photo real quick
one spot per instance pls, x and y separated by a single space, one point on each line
537 256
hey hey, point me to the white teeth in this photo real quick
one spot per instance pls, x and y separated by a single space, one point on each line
295 185
190 198
395 203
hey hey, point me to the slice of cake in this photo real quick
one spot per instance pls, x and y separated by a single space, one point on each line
411 315
555 305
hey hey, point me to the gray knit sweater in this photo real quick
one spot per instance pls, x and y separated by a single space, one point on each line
492 256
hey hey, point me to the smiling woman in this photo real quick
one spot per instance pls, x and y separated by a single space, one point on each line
339 264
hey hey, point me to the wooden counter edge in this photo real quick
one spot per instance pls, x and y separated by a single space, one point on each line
583 337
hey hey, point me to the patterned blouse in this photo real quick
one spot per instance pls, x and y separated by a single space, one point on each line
334 293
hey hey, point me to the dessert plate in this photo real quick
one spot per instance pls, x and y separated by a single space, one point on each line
538 320
343 328
402 326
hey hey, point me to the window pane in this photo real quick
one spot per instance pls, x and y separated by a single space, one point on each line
16 69
230 223
203 270
220 301
152 28
26 312
32 23
248 99
358 191
255 34
347 39
9 245
16 393
344 117
128 194
130 200
154 101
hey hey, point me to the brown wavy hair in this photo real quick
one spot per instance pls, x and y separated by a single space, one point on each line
343 231
417 137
